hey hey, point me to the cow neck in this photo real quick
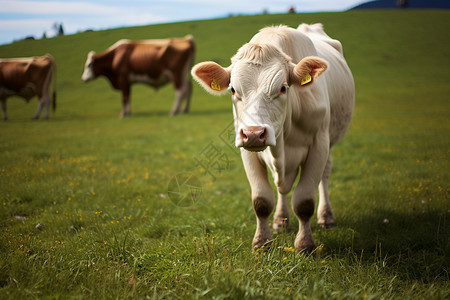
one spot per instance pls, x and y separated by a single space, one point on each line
102 66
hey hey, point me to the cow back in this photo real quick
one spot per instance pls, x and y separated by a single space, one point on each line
17 73
145 59
149 57
340 83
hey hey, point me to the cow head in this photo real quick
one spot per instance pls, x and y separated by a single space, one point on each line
88 73
260 79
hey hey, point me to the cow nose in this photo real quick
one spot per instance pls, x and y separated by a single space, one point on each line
254 136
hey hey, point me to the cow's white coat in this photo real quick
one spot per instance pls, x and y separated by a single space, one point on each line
303 122
88 73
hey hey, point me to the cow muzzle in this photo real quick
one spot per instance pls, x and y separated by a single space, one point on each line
254 138
85 77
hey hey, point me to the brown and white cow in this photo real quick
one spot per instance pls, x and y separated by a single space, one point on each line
28 77
293 98
154 62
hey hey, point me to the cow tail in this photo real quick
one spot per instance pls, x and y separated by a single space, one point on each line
191 39
192 58
54 86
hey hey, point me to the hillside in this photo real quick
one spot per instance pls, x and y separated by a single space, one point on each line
218 40
414 4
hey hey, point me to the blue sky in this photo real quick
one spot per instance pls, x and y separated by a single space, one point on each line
21 18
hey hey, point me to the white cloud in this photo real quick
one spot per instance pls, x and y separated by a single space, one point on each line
55 8
7 25
11 30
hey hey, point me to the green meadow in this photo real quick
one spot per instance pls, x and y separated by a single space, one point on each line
92 205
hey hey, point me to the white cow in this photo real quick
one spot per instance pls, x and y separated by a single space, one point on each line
293 98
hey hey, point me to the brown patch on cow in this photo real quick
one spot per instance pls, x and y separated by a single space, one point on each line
28 77
262 207
305 209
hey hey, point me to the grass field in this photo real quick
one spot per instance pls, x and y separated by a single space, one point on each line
86 213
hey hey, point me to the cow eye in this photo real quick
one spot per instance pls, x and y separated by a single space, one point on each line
233 91
283 90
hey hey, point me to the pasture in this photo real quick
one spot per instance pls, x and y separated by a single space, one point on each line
87 209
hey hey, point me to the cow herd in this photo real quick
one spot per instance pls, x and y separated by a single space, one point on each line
292 93
154 62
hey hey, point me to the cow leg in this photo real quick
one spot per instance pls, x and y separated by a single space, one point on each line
282 213
179 95
303 202
281 217
324 211
41 101
187 96
46 101
304 196
5 117
263 198
126 110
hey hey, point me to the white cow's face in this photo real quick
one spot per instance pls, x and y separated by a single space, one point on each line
259 79
88 73
259 94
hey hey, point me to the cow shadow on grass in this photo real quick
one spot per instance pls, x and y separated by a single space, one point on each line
416 243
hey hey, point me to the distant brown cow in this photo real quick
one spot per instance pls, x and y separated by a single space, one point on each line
154 62
28 77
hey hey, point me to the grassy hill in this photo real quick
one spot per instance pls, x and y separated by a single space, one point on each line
98 185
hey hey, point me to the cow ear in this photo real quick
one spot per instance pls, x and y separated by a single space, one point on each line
308 70
213 77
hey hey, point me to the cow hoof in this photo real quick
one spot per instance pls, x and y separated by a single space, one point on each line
305 248
325 219
280 224
261 245
327 225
